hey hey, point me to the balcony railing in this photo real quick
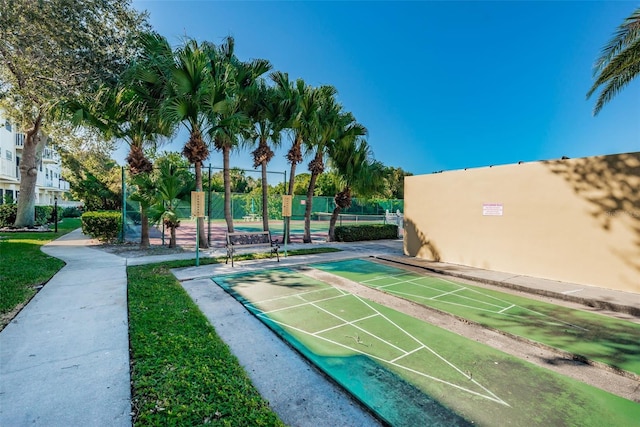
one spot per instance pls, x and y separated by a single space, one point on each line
50 156
20 139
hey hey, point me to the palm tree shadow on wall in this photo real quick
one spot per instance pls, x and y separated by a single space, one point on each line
611 185
416 242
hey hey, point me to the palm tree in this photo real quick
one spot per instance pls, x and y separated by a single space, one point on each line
171 184
185 78
619 62
323 128
299 107
264 112
233 80
352 159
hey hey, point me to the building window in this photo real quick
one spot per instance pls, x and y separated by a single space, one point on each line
7 125
8 155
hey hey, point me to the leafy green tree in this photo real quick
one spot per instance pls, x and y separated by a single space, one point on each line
130 111
50 52
394 182
94 178
327 184
619 61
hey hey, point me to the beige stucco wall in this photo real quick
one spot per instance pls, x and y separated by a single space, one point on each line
575 220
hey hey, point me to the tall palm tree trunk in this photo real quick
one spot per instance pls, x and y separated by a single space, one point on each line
316 166
227 188
144 227
343 200
294 156
331 235
265 198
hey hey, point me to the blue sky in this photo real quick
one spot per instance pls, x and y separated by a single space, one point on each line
439 85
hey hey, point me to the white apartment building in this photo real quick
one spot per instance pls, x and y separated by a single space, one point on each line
50 183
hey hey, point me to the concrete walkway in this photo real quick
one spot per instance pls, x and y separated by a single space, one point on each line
64 360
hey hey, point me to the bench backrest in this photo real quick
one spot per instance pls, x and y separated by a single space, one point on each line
249 238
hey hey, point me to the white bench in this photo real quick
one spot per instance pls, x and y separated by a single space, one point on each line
252 239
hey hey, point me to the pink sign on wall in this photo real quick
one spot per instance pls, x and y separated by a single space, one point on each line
492 209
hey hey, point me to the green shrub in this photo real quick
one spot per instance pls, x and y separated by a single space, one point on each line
356 233
44 215
8 214
104 226
71 212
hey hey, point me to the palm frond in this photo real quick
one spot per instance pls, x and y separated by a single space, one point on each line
619 62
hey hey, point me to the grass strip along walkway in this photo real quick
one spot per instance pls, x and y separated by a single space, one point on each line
182 372
24 267
411 372
613 342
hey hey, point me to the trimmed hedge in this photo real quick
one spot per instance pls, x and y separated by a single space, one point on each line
104 225
8 214
43 215
356 233
70 212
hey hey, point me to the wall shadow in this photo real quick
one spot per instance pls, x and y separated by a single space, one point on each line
415 240
611 185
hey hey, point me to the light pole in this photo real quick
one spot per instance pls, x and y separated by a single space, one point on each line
55 212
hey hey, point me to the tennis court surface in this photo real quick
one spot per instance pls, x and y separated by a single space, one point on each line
410 372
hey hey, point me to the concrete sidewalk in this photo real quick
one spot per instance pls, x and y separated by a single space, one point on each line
64 360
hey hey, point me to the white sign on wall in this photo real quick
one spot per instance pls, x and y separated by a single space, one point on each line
492 209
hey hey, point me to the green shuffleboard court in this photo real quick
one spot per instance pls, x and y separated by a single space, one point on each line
614 342
410 372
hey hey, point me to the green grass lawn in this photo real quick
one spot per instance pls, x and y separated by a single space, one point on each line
24 267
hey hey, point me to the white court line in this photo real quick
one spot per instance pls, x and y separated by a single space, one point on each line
491 396
275 310
414 283
546 316
360 328
300 293
507 308
405 355
345 324
447 293
429 349
573 291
